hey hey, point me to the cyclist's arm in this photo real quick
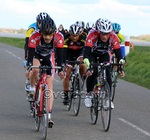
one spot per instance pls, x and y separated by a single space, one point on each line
29 32
59 48
121 38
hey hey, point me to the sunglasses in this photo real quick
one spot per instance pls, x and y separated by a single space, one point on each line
105 33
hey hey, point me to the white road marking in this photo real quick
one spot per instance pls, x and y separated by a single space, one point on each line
134 126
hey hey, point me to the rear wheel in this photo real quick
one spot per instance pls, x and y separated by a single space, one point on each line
106 106
37 118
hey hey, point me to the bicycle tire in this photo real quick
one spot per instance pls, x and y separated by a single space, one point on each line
114 81
31 109
45 118
76 95
106 110
94 109
70 93
37 118
69 101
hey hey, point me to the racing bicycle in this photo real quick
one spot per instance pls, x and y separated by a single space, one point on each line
101 97
41 100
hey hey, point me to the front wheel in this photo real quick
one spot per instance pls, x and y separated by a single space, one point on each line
69 101
114 84
106 106
94 109
45 118
76 95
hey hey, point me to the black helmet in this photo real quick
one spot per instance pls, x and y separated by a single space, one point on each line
75 29
41 17
48 26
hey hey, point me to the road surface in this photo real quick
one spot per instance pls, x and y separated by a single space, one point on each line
130 117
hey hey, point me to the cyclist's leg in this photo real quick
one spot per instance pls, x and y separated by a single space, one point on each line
90 82
33 76
70 57
82 66
106 58
66 85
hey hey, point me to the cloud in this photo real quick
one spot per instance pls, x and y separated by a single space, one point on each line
131 16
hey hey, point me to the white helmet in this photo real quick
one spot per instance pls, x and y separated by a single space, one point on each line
89 25
75 29
103 25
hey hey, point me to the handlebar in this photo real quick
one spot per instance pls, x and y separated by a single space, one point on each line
73 62
44 67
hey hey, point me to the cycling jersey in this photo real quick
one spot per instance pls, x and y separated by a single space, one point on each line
121 38
33 27
93 40
68 43
93 43
36 41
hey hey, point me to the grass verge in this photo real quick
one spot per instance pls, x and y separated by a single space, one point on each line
138 62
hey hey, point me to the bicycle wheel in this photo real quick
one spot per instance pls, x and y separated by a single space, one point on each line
31 109
114 81
76 95
37 119
70 93
94 109
106 106
45 118
69 100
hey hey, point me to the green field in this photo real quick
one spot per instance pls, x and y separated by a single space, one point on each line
137 69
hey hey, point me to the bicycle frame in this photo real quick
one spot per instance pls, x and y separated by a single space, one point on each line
44 92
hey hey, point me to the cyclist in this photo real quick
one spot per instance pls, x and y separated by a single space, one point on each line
116 29
100 41
44 43
29 52
82 24
89 26
73 50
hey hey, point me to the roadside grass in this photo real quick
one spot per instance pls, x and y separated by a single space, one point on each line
137 69
16 42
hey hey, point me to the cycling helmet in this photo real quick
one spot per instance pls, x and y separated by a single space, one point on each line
116 27
41 17
89 25
75 29
48 26
80 23
103 25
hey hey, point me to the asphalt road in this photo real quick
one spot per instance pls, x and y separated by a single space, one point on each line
130 117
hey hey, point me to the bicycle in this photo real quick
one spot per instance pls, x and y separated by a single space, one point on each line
114 75
75 87
41 100
101 97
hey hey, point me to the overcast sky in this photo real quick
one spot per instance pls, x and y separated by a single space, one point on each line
133 15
